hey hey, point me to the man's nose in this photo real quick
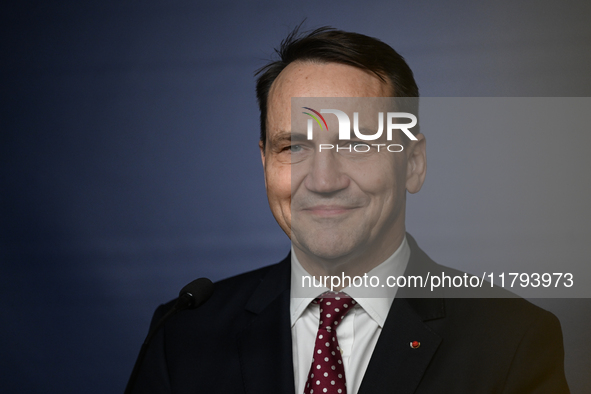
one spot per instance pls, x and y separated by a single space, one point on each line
326 174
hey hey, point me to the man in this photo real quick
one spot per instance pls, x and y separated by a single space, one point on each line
344 210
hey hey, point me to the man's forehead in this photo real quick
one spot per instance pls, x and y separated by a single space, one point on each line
364 107
316 79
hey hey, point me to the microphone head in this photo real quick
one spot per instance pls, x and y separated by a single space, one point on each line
198 291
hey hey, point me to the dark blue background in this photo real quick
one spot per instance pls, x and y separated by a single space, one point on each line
130 165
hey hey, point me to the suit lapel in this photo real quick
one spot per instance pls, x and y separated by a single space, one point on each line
395 366
265 342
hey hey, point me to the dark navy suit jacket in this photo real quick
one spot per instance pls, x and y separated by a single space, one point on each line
240 342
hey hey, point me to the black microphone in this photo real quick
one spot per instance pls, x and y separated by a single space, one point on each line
191 296
194 294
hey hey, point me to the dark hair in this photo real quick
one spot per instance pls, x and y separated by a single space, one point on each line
329 45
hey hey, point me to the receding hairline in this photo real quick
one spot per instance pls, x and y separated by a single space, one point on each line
386 91
383 79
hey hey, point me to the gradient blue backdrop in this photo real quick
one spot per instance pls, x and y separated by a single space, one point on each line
130 165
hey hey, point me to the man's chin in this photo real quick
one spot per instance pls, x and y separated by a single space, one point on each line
325 248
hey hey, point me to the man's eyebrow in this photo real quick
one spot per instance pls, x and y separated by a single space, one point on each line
280 136
287 136
299 137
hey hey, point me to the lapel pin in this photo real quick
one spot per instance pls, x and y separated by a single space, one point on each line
415 344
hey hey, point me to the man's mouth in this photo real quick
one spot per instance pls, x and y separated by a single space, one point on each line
328 210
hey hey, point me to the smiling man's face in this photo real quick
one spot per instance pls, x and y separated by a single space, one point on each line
339 208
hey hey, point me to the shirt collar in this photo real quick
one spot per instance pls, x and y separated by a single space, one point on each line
376 306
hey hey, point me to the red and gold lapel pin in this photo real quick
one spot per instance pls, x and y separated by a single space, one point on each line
415 344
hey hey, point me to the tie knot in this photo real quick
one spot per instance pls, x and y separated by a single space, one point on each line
333 308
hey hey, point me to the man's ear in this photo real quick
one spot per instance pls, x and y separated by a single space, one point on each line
416 168
262 148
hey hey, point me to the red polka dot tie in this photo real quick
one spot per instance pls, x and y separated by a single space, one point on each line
327 373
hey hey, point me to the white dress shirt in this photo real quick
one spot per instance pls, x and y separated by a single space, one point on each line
357 333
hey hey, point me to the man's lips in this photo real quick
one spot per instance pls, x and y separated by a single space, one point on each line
328 210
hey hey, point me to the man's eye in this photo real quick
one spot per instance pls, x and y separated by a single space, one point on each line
295 148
